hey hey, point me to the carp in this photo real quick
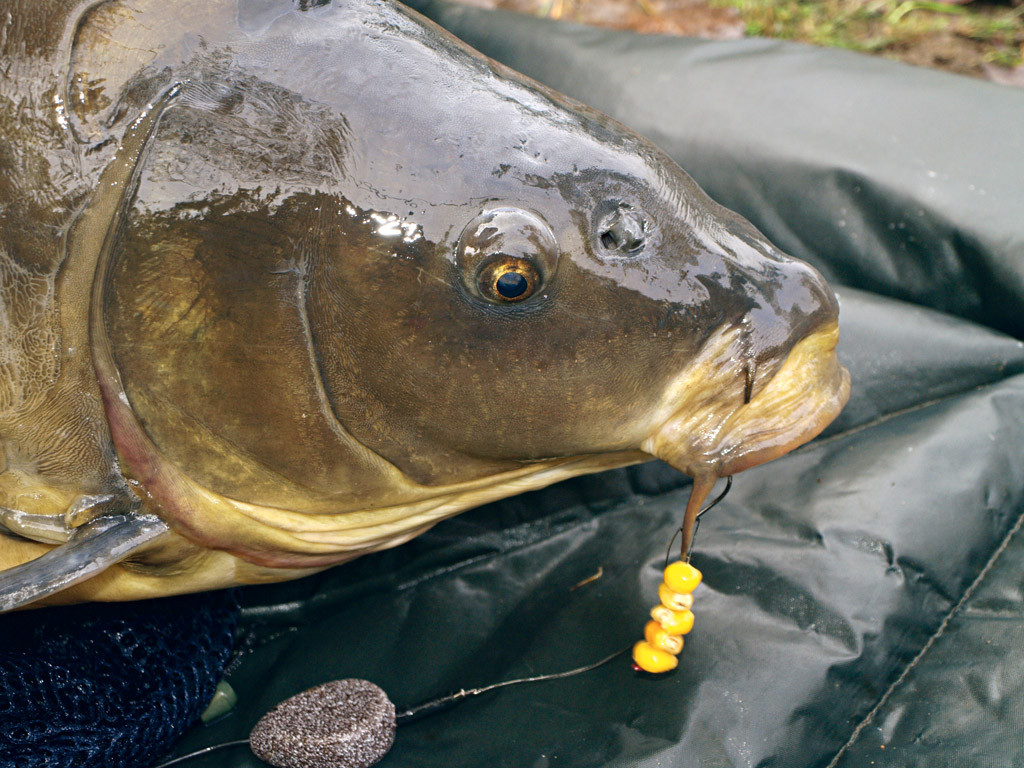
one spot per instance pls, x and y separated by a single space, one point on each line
284 283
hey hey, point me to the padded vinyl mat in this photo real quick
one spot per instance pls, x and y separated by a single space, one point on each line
862 601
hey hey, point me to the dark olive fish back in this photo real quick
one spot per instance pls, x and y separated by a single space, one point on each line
320 275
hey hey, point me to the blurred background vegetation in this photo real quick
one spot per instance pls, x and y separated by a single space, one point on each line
979 38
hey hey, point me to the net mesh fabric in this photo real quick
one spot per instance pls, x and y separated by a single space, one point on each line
109 684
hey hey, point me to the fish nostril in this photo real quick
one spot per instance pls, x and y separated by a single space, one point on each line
623 231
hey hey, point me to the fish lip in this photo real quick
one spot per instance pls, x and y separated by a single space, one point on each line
774 441
802 397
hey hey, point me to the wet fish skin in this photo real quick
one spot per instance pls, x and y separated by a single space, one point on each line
254 245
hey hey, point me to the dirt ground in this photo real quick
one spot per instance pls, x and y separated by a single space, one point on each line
980 39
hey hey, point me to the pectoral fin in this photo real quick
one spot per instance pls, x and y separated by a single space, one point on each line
92 548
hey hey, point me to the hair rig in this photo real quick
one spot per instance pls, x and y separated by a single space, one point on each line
348 723
673 616
351 723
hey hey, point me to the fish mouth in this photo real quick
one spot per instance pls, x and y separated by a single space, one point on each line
710 434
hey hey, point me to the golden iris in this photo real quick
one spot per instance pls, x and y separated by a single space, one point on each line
508 279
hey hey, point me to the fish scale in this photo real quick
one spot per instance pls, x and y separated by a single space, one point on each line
318 277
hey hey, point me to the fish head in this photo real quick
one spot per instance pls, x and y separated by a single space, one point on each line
332 310
590 302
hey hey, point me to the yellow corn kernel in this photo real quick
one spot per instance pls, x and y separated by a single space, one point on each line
656 635
650 659
674 600
673 622
682 577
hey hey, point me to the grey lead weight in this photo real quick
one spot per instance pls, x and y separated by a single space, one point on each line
341 724
348 723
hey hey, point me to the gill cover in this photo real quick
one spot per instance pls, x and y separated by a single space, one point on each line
347 278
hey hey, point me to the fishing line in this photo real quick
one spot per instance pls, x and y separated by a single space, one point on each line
444 702
204 751
305 730
369 728
696 527
672 617
750 373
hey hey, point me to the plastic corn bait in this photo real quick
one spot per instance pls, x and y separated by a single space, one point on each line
650 659
682 577
674 600
659 637
670 620
674 622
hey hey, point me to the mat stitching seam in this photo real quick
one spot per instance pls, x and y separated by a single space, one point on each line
939 632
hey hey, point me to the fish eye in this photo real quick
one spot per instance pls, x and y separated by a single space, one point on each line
507 279
622 231
506 255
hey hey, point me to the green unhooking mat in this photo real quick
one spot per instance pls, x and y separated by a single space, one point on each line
863 601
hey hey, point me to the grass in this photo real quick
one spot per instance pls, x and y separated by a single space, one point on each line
962 36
